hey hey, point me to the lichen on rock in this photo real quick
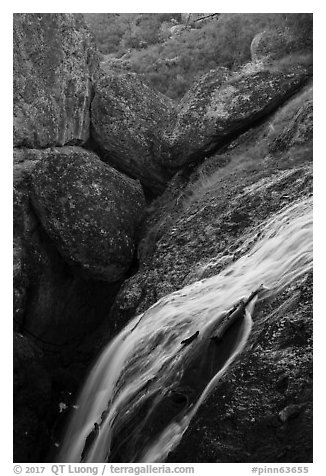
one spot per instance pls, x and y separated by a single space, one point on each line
261 410
89 210
193 230
129 123
223 104
55 61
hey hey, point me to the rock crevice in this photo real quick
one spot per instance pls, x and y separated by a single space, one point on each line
87 145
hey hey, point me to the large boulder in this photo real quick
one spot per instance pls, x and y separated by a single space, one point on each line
28 256
206 219
54 63
220 105
56 309
129 124
59 303
89 210
52 301
192 230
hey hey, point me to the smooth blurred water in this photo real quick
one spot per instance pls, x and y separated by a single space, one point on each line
144 362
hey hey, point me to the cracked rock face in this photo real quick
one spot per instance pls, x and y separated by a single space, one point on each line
90 211
219 105
201 216
141 133
54 64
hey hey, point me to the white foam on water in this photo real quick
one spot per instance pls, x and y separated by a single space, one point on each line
147 355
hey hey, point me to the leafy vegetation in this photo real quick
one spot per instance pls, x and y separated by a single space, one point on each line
170 52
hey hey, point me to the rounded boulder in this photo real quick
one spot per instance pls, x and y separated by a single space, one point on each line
221 104
129 125
89 210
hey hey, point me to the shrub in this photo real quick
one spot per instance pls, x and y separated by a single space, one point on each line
170 64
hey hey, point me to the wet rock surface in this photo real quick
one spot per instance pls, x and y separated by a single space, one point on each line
195 228
56 305
224 161
206 360
55 62
261 410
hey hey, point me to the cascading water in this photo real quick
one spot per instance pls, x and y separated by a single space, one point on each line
146 386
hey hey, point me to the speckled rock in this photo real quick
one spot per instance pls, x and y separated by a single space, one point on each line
219 106
52 301
129 123
261 410
205 220
273 44
193 229
299 130
32 389
89 210
56 308
54 63
24 226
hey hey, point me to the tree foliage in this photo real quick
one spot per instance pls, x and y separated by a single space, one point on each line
170 52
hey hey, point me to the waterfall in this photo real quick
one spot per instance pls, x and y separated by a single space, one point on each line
146 387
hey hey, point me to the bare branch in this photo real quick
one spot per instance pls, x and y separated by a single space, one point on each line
208 16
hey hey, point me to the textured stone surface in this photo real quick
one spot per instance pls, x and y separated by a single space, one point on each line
129 123
299 129
142 134
54 64
52 301
76 220
273 44
57 309
27 253
261 411
89 210
204 215
220 105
